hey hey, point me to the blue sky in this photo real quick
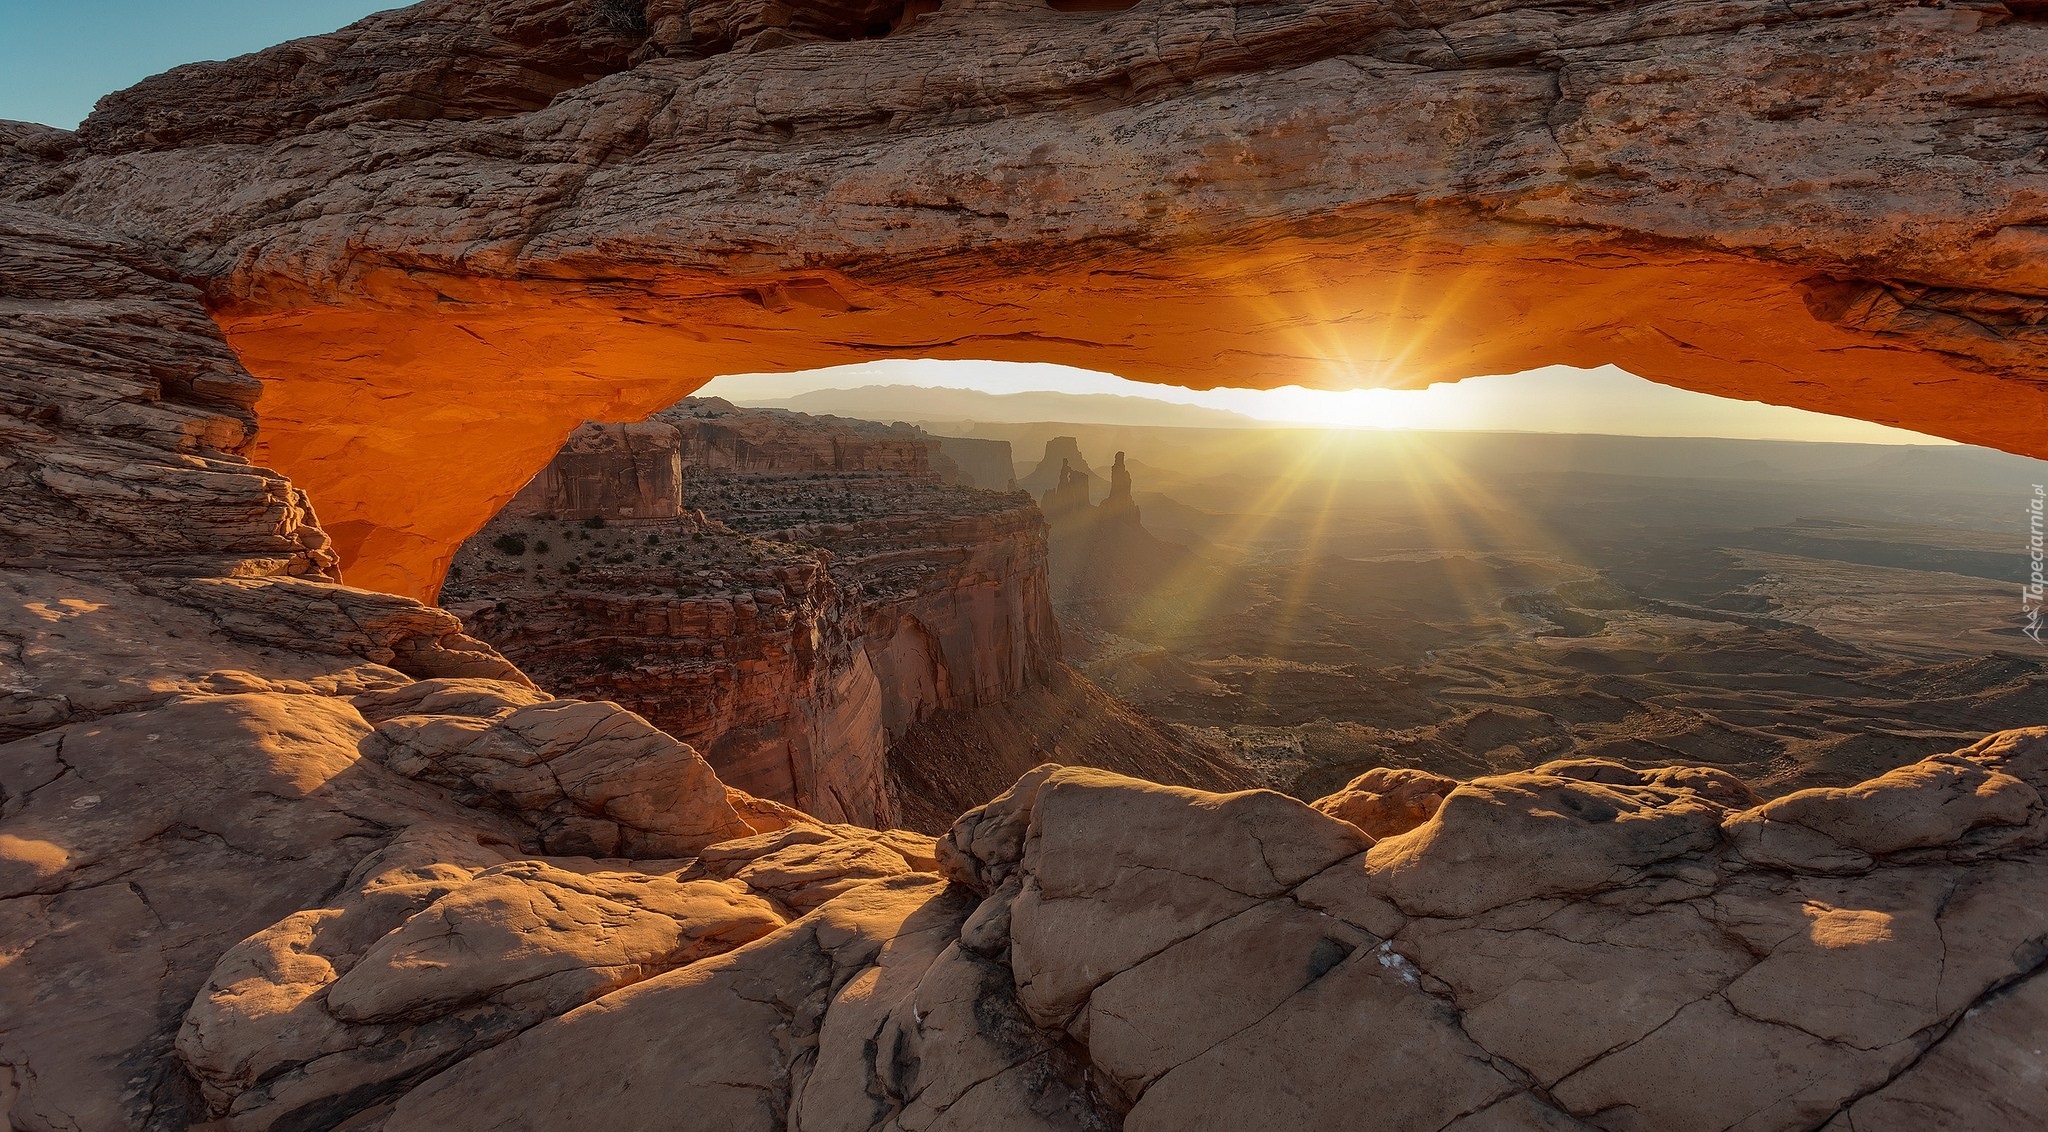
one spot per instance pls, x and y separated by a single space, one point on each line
57 57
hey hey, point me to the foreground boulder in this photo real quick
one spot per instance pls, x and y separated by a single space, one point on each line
1111 953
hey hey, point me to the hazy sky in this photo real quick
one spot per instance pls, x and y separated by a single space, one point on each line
57 58
1556 399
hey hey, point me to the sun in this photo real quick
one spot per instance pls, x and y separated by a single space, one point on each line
1350 408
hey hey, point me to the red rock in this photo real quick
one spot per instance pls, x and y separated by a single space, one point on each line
199 843
1740 199
1386 802
614 472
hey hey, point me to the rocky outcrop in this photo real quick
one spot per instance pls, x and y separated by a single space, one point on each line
985 464
617 472
201 744
276 853
1061 463
1118 502
748 650
942 765
1117 954
1388 802
1102 551
831 597
1827 206
116 394
1067 498
721 437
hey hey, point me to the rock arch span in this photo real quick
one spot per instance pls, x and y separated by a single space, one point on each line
439 269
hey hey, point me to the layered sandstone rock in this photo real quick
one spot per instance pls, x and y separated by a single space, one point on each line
1387 802
618 472
275 853
116 395
1117 954
273 850
721 437
834 596
226 895
749 650
1833 206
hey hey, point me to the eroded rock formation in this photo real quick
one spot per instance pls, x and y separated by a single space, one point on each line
721 437
1101 549
277 853
985 464
617 472
750 650
1061 459
1835 206
829 601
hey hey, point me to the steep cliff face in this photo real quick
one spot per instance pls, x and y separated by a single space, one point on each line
958 605
118 392
277 853
1832 206
986 464
621 472
830 595
749 650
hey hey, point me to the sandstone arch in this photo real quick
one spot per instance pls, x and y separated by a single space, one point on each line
1839 207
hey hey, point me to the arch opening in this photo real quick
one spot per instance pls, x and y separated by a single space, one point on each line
1473 578
395 415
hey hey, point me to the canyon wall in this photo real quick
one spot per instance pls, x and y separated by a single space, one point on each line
1834 206
827 596
986 464
959 608
277 853
749 652
618 472
720 437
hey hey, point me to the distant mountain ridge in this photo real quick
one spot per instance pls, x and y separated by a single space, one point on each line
927 405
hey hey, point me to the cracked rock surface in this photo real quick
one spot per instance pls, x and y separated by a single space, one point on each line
280 854
1832 204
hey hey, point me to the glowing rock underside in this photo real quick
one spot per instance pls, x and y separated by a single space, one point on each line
447 235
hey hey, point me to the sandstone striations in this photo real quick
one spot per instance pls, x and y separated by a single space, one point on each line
721 437
621 472
1833 206
748 649
280 854
810 623
117 393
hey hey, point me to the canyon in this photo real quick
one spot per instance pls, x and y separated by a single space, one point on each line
794 597
284 847
1835 206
